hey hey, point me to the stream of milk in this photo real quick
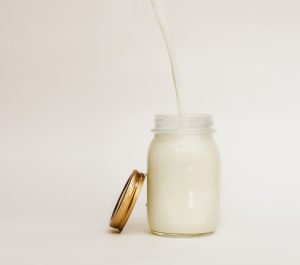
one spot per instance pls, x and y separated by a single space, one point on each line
162 22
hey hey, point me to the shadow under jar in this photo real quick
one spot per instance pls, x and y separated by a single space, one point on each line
183 176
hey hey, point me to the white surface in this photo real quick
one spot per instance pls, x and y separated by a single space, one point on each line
80 83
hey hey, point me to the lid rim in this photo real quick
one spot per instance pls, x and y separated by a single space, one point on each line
127 200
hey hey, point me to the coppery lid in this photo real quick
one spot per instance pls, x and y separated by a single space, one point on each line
127 200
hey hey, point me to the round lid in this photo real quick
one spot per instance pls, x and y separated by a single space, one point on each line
127 200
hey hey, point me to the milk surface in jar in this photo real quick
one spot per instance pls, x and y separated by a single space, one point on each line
183 166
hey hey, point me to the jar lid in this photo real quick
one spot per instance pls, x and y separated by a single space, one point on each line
127 200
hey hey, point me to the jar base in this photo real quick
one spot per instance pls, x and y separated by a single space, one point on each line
181 234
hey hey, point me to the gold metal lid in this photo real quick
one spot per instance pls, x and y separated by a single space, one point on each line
127 200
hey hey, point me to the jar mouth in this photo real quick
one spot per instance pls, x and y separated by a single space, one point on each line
183 124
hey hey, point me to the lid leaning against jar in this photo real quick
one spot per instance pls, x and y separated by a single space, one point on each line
127 200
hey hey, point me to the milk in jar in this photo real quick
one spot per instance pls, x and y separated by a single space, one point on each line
183 176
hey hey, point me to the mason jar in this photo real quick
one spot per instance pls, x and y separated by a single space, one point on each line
182 179
183 176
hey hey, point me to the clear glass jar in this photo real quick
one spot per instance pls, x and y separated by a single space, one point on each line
183 176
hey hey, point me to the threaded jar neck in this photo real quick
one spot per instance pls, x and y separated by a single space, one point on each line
185 124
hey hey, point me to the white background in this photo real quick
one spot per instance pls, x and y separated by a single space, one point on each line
80 82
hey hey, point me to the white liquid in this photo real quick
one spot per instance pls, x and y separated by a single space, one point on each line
183 167
183 184
161 19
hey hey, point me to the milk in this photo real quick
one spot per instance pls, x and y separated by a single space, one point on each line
183 184
162 22
183 166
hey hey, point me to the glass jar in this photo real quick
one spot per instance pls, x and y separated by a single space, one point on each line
183 176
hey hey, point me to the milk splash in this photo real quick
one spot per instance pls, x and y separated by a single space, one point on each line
162 22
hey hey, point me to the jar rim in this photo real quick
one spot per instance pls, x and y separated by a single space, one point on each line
183 124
